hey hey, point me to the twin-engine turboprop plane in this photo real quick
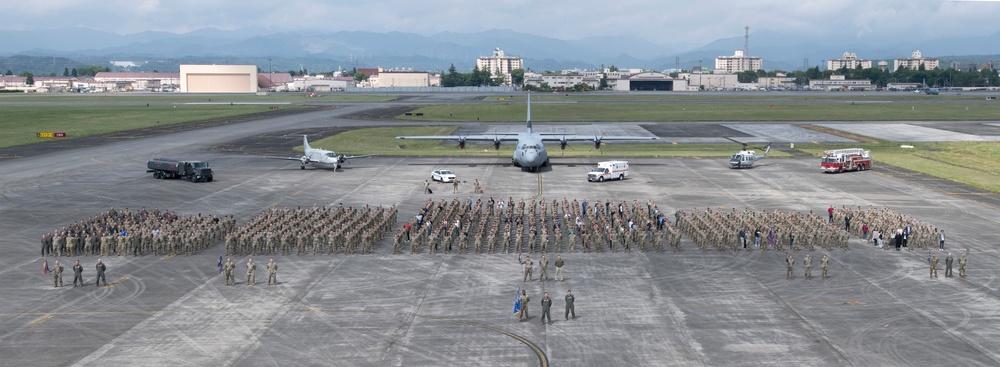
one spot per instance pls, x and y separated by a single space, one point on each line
320 157
529 153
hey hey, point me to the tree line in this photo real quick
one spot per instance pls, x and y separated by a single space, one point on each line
938 78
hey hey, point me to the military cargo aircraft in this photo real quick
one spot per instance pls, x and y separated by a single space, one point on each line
320 157
529 153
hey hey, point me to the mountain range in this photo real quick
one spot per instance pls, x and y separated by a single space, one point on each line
324 51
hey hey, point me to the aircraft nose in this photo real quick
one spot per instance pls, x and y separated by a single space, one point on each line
531 158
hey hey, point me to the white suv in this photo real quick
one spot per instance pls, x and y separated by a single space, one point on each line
443 175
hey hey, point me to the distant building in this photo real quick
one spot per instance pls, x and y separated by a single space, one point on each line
565 81
737 63
128 81
780 81
709 81
915 61
499 64
840 83
218 78
850 61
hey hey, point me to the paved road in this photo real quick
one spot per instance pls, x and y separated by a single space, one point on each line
685 308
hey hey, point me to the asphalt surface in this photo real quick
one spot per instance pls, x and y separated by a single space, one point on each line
673 308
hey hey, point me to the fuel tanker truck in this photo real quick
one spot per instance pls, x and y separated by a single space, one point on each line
193 171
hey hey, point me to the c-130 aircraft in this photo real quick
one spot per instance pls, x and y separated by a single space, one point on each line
529 154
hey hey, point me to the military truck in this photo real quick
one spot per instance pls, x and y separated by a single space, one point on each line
193 171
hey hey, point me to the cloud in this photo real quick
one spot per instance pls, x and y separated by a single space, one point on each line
663 22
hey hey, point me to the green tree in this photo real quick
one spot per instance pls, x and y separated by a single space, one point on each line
92 70
73 73
29 77
612 69
452 78
517 77
9 72
65 71
361 76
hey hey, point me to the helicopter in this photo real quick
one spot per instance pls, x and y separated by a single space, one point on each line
746 158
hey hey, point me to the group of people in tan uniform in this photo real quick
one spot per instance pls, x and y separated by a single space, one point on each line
736 230
229 272
536 225
314 230
137 232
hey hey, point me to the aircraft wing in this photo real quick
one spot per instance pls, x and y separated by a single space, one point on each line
290 158
359 156
547 137
501 137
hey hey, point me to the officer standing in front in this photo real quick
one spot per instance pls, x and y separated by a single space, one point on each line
559 268
100 274
524 306
934 264
546 305
948 261
77 273
57 271
228 269
251 268
569 305
272 272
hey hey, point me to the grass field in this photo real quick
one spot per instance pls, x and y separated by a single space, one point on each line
21 123
976 164
382 141
507 111
186 98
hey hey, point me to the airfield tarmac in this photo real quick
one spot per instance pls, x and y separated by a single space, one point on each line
683 308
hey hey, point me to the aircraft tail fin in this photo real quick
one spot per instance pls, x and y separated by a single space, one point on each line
305 143
528 123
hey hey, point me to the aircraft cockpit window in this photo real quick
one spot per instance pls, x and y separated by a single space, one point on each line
331 154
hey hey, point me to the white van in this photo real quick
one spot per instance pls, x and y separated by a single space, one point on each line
608 170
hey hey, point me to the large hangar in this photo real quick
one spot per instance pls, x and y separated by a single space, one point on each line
655 81
219 78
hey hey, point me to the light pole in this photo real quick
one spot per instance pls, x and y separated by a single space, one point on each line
270 78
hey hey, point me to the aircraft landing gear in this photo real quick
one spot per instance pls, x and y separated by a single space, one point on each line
302 167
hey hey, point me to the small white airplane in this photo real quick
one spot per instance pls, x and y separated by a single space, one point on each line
320 157
530 153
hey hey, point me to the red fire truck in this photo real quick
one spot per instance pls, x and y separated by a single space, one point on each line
842 160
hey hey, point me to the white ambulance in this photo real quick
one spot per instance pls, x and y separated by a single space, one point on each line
608 170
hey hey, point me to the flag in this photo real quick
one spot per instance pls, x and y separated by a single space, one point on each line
45 266
220 263
517 300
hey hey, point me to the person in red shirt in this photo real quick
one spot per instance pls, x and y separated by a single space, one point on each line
831 213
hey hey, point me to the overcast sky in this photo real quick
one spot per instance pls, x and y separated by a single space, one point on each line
682 23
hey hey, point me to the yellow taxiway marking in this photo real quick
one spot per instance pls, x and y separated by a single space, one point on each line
119 281
40 320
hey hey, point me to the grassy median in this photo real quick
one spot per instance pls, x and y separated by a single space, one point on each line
976 164
20 124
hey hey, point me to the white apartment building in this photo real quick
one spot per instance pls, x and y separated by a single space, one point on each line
737 63
915 61
850 61
499 64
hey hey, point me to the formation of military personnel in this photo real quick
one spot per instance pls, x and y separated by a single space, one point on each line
738 230
137 232
536 225
886 225
314 230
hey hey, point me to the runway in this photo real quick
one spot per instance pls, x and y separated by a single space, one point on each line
672 308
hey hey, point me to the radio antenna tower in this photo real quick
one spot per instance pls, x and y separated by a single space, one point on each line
746 41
